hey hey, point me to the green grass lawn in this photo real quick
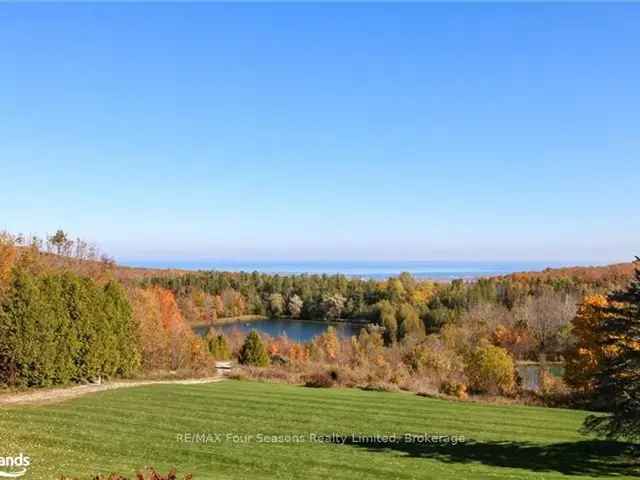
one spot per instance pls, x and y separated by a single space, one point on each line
124 430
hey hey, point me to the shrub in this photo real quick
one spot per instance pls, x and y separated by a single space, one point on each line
298 354
275 374
553 390
319 380
151 475
399 375
253 351
434 358
380 387
238 375
327 345
218 348
454 389
368 345
421 385
345 376
490 369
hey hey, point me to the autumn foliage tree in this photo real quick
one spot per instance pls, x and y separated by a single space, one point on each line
490 369
388 321
516 339
166 341
587 352
8 253
151 335
276 304
409 323
295 306
327 344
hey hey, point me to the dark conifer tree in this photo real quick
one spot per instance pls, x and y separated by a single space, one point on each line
617 382
253 351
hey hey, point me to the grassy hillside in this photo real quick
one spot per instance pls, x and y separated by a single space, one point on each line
128 429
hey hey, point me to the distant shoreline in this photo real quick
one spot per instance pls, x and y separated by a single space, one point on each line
437 271
228 320
253 318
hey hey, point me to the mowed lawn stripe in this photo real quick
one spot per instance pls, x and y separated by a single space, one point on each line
283 455
520 419
128 429
255 410
517 419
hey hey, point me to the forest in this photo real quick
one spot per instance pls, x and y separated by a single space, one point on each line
70 315
529 314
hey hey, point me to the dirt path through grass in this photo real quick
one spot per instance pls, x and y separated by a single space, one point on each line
61 394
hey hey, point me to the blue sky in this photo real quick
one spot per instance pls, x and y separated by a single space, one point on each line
387 132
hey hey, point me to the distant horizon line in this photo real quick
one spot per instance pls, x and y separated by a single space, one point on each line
257 264
354 260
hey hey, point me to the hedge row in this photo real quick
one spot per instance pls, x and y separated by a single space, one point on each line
57 328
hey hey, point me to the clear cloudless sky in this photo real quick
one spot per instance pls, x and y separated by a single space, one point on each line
324 131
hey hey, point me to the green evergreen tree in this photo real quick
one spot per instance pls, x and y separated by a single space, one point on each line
37 342
20 361
123 355
253 351
61 338
59 240
56 328
617 381
84 301
219 348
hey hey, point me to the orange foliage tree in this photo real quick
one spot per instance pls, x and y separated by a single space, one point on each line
585 355
8 255
516 340
166 340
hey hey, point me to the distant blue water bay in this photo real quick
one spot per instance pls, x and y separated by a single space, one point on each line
297 330
436 270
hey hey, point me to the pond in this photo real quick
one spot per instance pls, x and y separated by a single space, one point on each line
297 330
530 374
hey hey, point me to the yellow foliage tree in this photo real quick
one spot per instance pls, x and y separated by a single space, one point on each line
328 344
8 255
490 369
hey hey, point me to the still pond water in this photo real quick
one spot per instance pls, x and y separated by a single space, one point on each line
297 330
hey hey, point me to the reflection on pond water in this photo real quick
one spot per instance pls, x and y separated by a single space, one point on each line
297 330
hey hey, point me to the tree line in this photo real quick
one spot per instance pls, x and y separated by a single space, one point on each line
67 319
528 315
56 328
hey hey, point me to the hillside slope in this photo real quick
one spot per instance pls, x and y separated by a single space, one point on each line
128 429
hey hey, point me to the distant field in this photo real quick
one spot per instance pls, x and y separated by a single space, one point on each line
127 429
